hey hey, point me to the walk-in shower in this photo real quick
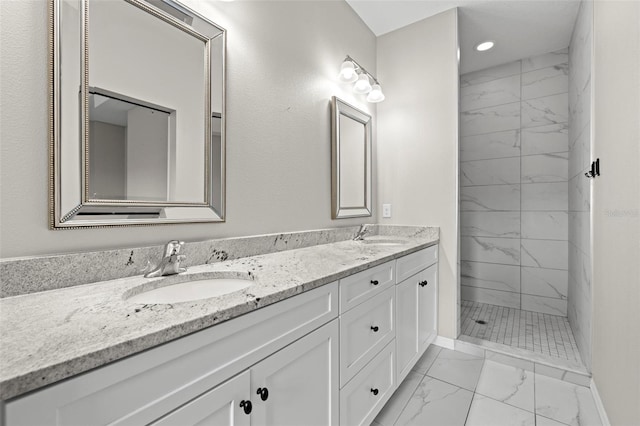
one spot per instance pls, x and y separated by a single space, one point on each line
525 270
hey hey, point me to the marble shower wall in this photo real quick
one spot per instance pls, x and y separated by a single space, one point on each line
579 300
514 168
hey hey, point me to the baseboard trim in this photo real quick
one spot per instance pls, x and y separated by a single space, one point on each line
599 405
445 342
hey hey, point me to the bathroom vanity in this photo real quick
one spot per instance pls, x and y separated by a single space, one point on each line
338 327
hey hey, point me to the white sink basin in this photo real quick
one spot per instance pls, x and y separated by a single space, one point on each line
186 288
380 241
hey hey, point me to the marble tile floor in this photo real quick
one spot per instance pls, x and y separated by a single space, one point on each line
453 388
545 334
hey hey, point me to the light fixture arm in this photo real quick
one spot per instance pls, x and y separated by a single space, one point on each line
361 69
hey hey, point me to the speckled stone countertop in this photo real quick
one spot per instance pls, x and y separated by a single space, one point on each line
52 335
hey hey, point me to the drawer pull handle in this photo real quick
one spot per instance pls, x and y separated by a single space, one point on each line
374 391
247 406
375 328
264 393
374 282
423 283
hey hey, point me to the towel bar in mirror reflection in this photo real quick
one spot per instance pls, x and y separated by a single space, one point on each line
137 114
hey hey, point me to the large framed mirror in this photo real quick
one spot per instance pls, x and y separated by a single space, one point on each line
351 161
137 117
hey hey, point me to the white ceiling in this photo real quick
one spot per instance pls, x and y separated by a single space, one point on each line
520 28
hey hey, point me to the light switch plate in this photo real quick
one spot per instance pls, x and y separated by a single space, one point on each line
386 210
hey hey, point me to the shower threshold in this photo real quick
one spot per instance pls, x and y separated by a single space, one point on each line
538 337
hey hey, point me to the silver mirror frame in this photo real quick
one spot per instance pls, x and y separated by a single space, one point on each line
338 210
111 213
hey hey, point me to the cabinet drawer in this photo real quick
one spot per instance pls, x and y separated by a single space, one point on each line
359 287
365 330
415 262
358 403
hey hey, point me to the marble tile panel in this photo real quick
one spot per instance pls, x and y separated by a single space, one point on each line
491 250
490 145
580 109
493 119
469 348
545 60
545 168
552 109
490 198
545 305
543 421
491 297
565 375
546 81
438 403
545 282
491 93
490 224
545 139
545 254
579 231
488 74
579 192
457 368
490 275
486 411
577 165
394 407
545 196
519 363
507 384
565 402
490 172
553 225
426 360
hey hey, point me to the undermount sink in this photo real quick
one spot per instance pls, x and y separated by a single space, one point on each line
382 241
189 287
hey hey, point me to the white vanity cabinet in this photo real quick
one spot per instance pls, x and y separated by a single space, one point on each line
416 316
146 387
330 356
297 385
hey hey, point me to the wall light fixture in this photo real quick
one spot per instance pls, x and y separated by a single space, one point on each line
351 71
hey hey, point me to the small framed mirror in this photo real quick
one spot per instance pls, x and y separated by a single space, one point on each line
351 161
137 116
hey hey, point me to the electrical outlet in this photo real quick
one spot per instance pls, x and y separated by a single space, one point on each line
386 210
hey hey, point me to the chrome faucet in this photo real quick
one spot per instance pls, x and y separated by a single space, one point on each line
361 233
170 263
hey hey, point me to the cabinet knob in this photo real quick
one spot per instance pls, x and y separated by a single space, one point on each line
247 406
375 328
264 393
374 282
423 283
374 391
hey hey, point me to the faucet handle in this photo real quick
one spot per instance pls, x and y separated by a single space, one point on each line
173 247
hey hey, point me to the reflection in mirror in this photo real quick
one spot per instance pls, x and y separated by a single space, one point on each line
351 161
151 144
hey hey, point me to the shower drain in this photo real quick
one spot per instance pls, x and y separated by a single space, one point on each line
481 322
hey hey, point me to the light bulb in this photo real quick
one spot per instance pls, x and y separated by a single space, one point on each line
348 72
362 86
376 94
484 46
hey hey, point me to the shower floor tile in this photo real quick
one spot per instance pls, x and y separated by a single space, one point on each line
549 335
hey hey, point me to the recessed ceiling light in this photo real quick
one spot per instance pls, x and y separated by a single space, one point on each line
484 46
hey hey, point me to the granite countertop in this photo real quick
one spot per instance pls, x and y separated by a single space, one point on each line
52 335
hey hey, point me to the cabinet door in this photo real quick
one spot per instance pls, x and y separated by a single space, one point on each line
428 307
298 385
406 326
221 406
